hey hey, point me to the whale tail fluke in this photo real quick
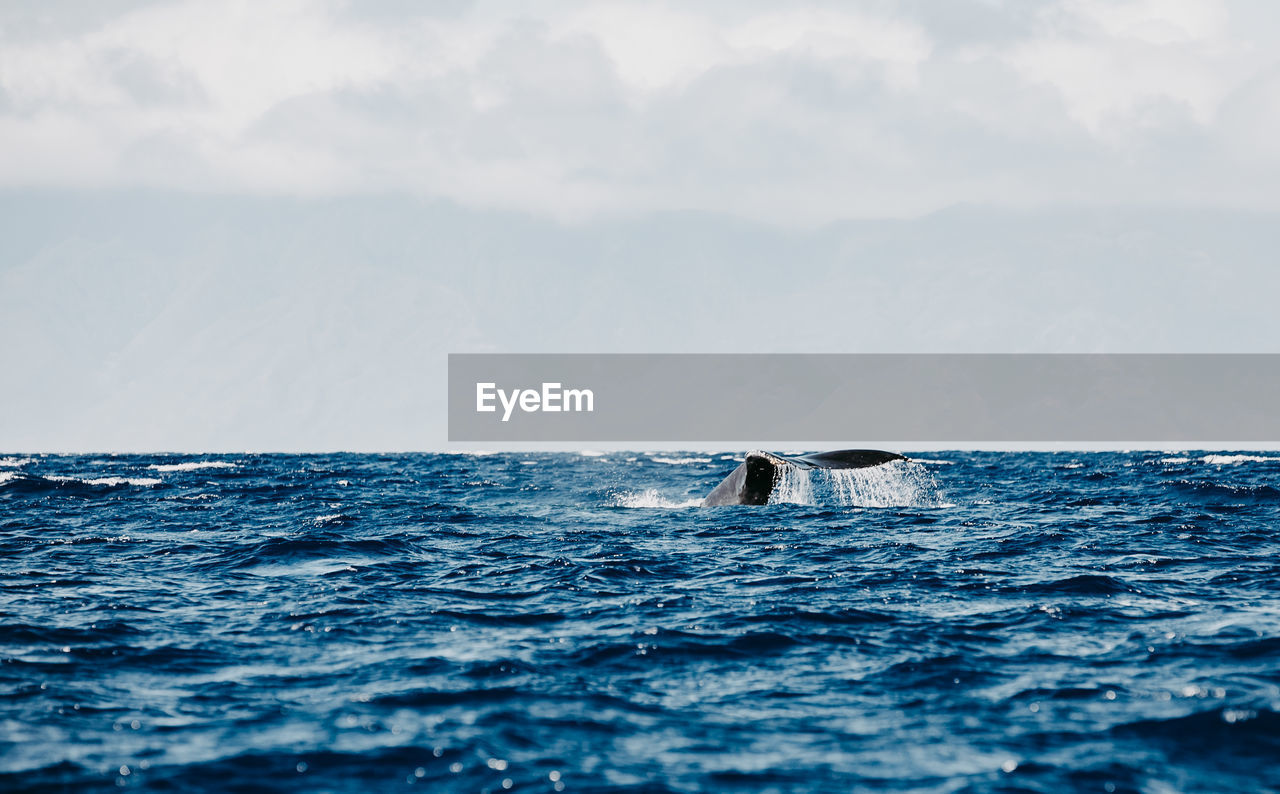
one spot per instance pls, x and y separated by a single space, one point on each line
753 481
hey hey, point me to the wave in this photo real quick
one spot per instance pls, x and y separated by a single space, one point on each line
107 481
1261 493
1082 584
678 461
334 520
1240 728
1226 460
192 465
98 632
1219 460
14 463
842 616
668 646
648 498
49 482
324 551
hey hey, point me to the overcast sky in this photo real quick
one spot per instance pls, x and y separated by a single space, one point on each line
263 225
795 113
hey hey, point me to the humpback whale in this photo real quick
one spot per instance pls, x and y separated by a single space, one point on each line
754 479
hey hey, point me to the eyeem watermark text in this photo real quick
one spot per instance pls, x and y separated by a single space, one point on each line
552 398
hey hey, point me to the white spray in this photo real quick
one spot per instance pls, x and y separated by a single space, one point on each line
899 483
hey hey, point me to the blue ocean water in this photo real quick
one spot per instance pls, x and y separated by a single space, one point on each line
968 622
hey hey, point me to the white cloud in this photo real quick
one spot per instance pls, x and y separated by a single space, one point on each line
801 115
1107 59
826 35
1153 21
653 47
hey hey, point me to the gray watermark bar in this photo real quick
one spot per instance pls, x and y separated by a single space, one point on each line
864 397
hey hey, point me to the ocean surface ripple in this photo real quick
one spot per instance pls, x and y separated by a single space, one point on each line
974 622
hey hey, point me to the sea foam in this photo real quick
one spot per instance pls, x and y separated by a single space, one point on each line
192 465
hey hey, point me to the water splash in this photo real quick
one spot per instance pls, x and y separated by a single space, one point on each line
900 483
649 498
792 485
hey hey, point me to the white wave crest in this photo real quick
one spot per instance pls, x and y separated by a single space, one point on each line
1226 460
12 462
8 476
1222 460
331 518
649 498
679 461
930 462
192 465
111 481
